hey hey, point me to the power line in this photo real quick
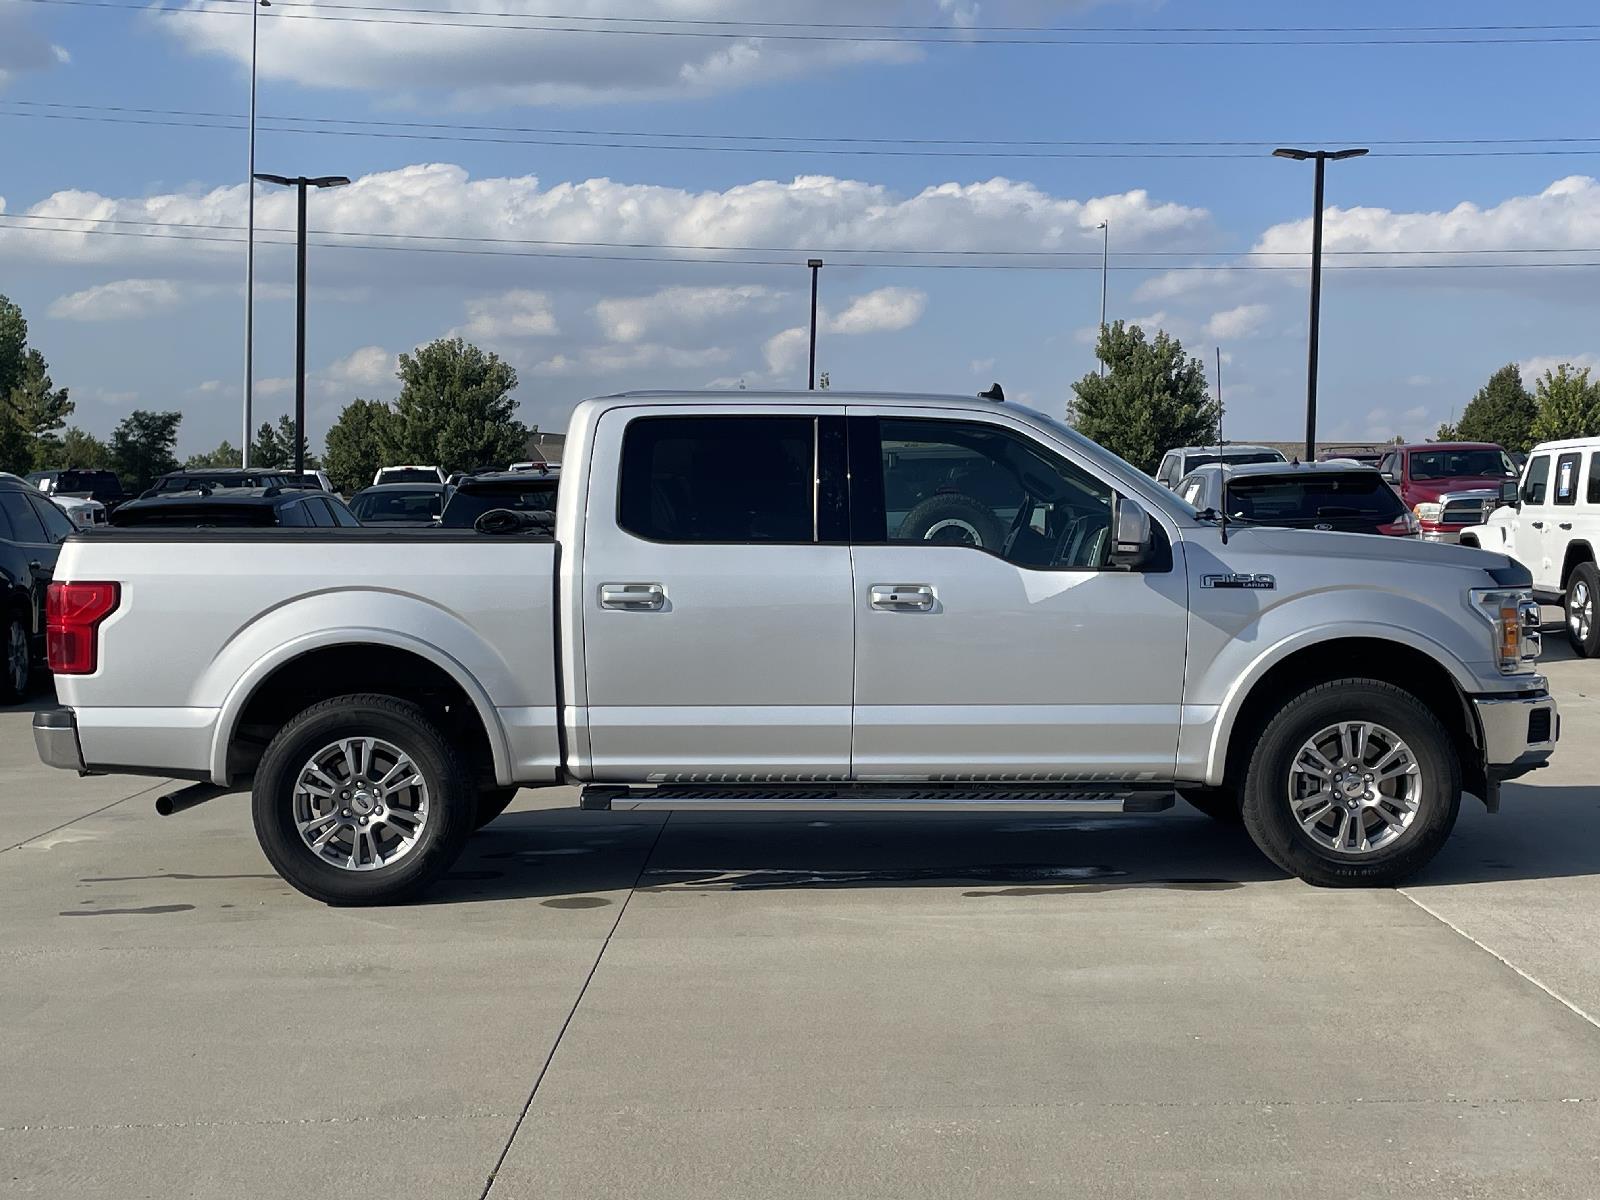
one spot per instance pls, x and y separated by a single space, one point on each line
787 262
966 38
846 151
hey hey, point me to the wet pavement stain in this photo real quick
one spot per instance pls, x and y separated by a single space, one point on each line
575 902
761 878
125 912
165 875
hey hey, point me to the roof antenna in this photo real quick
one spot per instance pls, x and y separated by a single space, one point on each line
994 393
1222 466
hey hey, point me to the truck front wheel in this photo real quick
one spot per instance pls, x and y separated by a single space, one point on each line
1582 628
361 800
1353 783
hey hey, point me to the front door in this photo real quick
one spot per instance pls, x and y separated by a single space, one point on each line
1530 529
992 639
716 617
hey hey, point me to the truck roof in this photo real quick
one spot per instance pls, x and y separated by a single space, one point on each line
832 396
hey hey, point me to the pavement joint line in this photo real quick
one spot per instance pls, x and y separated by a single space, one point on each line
561 1033
263 1122
1501 958
84 816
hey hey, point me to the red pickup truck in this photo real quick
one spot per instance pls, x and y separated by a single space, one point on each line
1447 485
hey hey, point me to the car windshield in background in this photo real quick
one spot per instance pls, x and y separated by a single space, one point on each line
409 475
1313 497
194 516
467 506
190 483
420 506
1234 460
1459 464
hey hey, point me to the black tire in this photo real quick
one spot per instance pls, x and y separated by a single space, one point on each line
955 519
492 802
1266 809
1583 590
452 792
1220 804
17 678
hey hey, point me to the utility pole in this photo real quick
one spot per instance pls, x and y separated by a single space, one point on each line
1321 157
250 250
816 265
1105 267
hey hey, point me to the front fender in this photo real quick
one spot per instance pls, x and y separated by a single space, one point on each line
342 618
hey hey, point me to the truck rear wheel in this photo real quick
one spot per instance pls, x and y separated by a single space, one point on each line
1354 783
1582 591
361 800
16 659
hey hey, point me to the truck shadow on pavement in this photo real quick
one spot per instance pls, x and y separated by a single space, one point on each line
570 859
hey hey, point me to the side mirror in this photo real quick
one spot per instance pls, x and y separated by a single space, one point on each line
1511 493
1132 538
1389 476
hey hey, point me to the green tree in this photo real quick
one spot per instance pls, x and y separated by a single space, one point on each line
355 445
1153 397
223 456
1503 411
274 446
1447 433
1569 405
80 449
32 409
455 408
142 447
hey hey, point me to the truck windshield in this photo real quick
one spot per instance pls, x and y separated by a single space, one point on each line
1460 464
1309 498
1233 460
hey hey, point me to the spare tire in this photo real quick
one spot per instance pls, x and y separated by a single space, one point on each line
952 519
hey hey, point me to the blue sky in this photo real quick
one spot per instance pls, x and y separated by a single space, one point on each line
156 322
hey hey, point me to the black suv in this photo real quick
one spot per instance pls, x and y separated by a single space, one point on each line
103 486
32 529
233 508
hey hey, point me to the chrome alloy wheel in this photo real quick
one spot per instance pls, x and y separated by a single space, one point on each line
360 804
1580 610
17 656
1355 787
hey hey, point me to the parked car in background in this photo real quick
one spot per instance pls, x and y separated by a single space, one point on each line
31 532
81 511
1550 523
1345 498
1446 483
400 503
513 491
1175 464
233 508
199 479
539 465
1355 454
308 481
104 486
408 474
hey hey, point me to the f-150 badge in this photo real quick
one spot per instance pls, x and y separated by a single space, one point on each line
1260 583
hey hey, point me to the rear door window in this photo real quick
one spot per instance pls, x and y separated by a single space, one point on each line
1537 482
719 479
1567 478
57 525
1312 498
1593 496
25 523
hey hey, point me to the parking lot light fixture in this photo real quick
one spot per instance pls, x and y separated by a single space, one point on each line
816 265
301 183
1321 158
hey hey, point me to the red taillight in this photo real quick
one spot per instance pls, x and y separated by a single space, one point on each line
72 614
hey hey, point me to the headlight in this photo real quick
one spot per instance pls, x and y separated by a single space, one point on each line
1514 617
1429 512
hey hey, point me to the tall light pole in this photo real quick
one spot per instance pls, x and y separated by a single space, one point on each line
250 248
816 265
301 183
1321 157
1105 267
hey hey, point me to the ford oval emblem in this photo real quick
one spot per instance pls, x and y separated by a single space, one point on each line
1322 527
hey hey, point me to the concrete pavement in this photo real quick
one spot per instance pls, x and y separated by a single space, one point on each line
605 1005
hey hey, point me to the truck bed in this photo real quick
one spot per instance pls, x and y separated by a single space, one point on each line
206 617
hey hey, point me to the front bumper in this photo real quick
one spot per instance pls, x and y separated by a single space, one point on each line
1519 732
1450 535
55 737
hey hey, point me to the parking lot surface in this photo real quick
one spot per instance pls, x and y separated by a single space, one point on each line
619 1004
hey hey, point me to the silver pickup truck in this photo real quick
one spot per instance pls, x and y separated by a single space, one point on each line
804 601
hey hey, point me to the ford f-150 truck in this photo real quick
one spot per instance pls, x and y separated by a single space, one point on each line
774 601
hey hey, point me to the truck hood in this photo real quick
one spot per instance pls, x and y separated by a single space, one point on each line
1431 489
1356 548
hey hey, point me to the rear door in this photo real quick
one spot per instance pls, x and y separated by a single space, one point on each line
992 639
718 634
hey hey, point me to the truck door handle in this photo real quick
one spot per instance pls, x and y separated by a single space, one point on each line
633 597
902 597
1565 525
1538 524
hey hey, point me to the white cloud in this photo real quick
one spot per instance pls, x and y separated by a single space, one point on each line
1534 368
982 366
630 318
885 310
119 300
511 315
22 50
499 64
644 356
1237 323
367 367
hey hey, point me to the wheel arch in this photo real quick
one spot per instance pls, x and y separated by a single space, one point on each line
309 668
1579 551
